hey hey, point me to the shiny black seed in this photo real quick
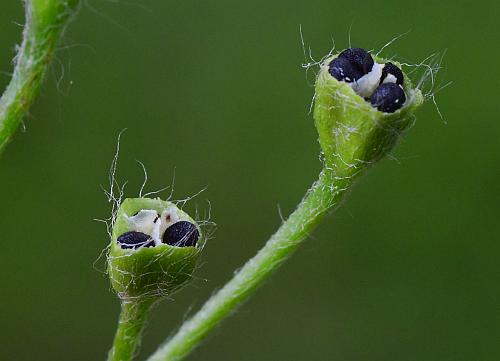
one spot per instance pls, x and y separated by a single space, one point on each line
388 97
134 240
390 68
181 234
359 58
342 70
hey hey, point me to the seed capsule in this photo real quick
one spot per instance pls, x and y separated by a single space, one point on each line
134 240
359 58
388 97
391 74
181 234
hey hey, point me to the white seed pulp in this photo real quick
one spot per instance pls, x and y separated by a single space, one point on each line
366 85
149 222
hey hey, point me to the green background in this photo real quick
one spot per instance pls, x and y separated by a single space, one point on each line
406 270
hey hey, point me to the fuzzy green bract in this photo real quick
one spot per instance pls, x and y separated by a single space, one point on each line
352 133
152 272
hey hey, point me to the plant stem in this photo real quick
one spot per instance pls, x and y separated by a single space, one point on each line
324 194
45 21
353 136
133 317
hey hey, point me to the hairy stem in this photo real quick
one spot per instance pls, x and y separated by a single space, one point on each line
353 135
45 21
133 317
324 194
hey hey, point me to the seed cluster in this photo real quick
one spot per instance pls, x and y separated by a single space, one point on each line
179 234
380 84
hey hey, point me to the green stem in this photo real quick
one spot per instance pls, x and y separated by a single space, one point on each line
325 193
353 135
133 317
45 21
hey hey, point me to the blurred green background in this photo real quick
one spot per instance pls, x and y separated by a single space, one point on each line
406 270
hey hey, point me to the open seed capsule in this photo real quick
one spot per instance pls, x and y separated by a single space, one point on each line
353 132
140 264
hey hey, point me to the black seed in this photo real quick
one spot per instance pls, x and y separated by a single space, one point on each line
342 69
134 240
388 97
359 58
181 234
390 68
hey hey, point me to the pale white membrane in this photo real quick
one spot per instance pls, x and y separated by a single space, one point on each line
149 222
168 217
366 85
390 79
